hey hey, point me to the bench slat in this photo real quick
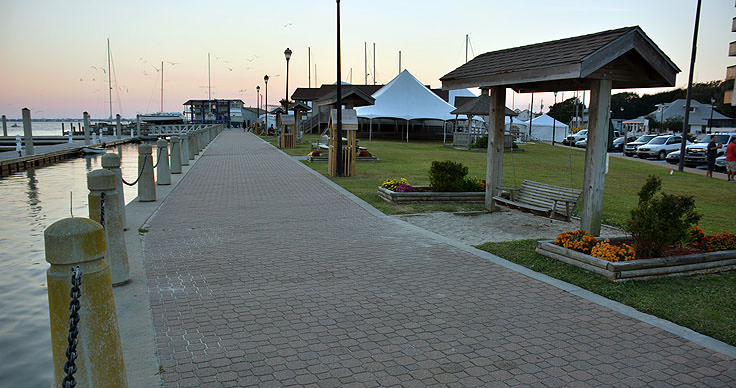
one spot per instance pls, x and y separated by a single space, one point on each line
543 197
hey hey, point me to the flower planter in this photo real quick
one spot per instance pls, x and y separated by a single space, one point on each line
357 158
428 197
685 265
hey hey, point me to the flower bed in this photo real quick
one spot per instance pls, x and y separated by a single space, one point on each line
400 191
616 260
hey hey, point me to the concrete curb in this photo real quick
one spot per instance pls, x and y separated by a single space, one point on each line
680 331
133 301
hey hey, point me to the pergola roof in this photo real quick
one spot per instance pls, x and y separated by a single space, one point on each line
299 106
351 96
312 94
626 56
479 106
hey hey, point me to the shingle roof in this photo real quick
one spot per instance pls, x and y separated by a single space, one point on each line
312 94
478 106
569 59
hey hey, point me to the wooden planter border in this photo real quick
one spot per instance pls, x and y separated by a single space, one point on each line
429 197
685 265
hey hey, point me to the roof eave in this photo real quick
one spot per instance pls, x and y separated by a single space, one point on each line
551 73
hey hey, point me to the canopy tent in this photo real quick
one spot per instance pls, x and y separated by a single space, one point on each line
406 98
542 127
459 93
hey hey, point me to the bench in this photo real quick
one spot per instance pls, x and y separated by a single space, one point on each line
543 198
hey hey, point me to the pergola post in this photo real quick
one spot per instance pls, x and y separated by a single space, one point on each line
494 161
595 156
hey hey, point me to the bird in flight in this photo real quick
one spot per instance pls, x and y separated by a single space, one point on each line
288 25
173 63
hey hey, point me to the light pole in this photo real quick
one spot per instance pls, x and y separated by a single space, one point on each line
258 103
339 98
287 54
710 122
265 102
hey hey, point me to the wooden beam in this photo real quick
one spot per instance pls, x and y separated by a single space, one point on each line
494 161
595 156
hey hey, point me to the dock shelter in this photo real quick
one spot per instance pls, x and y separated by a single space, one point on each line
623 58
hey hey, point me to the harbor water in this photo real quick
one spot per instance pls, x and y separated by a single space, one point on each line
33 200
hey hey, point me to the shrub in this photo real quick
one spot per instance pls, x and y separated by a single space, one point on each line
447 176
718 242
481 142
694 236
474 184
364 153
392 184
578 240
659 221
607 251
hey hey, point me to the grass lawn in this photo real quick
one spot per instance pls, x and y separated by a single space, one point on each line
714 198
706 304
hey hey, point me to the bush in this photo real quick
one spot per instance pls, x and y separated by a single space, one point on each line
481 142
659 221
447 176
474 184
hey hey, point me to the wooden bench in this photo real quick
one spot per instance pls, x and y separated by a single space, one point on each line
541 197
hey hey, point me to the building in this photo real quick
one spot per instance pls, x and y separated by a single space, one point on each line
227 112
700 114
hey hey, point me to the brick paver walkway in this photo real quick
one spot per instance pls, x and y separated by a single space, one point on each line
260 274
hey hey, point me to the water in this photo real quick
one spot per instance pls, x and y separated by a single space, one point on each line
31 201
44 128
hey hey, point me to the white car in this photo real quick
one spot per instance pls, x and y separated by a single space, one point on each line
660 146
582 143
580 135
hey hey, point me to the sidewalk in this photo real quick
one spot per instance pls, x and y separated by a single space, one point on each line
262 274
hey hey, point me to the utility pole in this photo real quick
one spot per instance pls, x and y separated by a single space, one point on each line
374 63
686 123
309 66
399 61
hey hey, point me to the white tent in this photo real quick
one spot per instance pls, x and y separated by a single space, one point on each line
542 128
406 98
459 93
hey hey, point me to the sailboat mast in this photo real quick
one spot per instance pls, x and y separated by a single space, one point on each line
109 77
162 86
365 59
466 48
374 63
209 78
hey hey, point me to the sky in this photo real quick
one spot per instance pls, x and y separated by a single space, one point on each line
54 53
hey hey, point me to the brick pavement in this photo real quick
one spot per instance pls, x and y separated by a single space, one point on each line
261 274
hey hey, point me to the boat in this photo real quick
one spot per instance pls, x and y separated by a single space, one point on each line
15 125
93 150
163 118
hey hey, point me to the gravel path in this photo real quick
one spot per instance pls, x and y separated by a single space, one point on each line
505 225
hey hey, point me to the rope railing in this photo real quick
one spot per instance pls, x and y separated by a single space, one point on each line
143 167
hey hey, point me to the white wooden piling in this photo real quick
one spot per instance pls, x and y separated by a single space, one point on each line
86 128
27 131
118 127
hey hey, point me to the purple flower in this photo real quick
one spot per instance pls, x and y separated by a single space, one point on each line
404 188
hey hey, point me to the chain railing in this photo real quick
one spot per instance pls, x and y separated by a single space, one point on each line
70 366
102 210
158 160
143 167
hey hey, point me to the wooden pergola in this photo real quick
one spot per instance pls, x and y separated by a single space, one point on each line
616 59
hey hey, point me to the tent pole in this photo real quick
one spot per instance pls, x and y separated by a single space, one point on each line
407 130
370 128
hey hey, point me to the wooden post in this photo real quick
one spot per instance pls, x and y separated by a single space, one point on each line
494 161
5 127
595 156
86 128
27 131
137 125
118 127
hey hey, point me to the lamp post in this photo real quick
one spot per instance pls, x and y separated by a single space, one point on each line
339 98
265 102
258 103
710 122
287 54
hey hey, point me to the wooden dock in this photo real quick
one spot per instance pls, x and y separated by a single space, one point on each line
46 155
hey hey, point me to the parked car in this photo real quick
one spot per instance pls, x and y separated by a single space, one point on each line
630 148
721 163
582 143
673 157
660 146
695 153
580 135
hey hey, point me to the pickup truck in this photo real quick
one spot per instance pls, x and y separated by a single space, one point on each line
695 153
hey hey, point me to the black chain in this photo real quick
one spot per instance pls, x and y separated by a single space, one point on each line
70 367
102 210
159 158
145 159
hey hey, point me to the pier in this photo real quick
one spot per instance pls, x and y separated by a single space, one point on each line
256 271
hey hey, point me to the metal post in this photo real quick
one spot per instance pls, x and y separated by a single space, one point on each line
686 122
710 122
339 98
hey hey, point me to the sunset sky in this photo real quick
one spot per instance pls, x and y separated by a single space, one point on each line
54 52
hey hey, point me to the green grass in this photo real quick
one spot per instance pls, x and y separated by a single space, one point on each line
714 198
706 304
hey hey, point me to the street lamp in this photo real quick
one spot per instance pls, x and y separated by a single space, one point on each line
339 100
258 103
265 102
287 54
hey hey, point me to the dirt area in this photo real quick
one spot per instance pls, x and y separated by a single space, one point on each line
505 225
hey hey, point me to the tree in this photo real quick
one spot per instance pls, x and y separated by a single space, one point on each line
564 111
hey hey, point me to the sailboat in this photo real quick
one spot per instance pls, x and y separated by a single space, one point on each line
163 117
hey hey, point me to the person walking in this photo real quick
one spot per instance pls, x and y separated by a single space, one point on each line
711 153
731 159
